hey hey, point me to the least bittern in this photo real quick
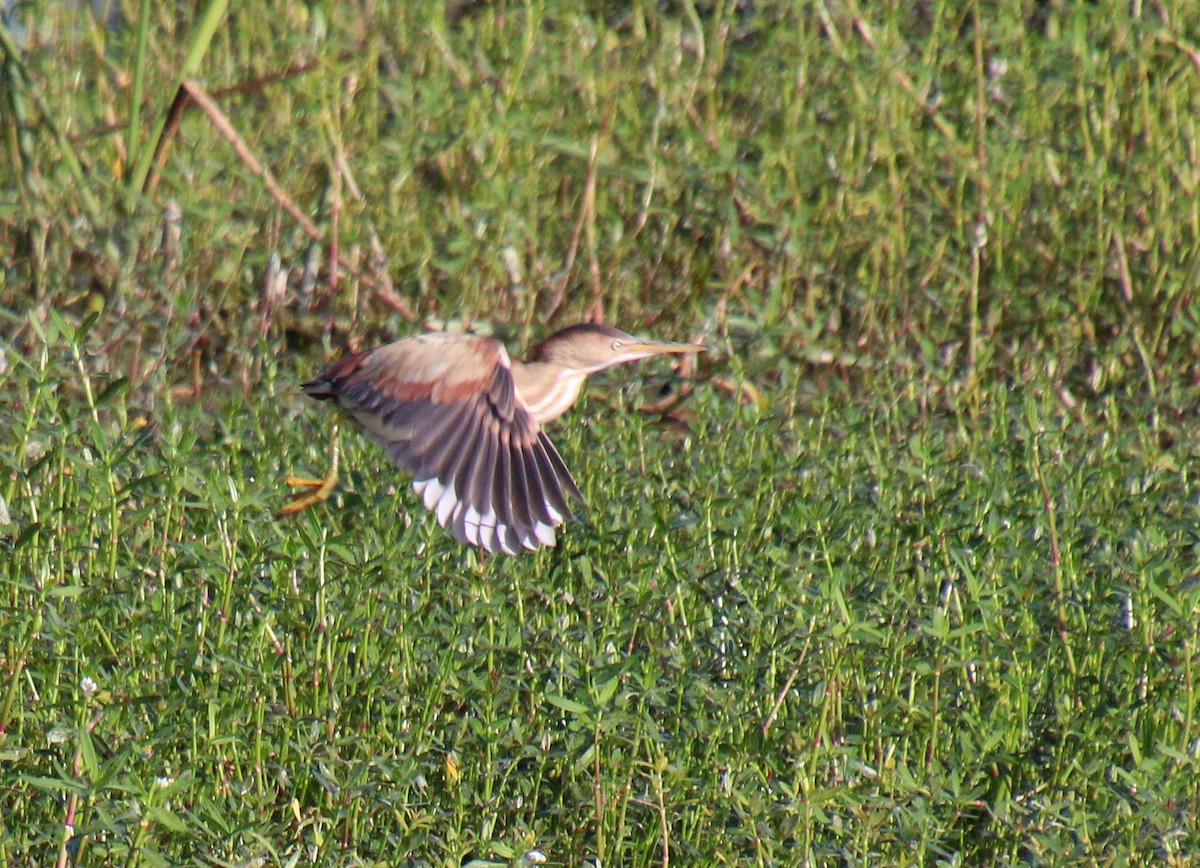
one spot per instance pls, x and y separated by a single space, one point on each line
465 419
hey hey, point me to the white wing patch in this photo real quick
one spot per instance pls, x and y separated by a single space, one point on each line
484 530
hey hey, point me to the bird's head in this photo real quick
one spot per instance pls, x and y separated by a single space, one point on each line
592 347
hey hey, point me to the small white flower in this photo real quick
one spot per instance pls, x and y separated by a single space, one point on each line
88 686
162 782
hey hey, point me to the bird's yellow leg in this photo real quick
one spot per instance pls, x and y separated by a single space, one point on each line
321 488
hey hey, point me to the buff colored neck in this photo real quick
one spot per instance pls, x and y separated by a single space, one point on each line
547 389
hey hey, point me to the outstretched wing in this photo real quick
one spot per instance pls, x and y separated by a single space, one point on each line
445 408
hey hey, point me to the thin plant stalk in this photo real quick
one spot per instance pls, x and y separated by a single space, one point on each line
214 15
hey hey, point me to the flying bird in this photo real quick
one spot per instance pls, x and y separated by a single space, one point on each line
466 420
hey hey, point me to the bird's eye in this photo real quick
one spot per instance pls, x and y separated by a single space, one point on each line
616 345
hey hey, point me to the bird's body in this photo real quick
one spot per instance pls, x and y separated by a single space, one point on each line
466 420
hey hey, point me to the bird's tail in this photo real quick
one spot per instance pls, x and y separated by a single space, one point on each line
326 386
320 388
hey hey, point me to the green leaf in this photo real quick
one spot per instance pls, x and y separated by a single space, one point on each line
568 705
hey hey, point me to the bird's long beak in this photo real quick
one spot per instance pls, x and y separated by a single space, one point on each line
657 348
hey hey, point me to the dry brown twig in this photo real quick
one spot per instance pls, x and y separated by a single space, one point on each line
192 92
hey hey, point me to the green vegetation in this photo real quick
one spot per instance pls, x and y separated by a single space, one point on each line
910 577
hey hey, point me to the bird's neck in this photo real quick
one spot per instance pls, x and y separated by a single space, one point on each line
548 390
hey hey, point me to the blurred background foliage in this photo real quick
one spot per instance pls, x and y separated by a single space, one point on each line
911 576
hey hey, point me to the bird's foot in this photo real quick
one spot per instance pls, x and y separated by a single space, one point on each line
302 482
321 488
